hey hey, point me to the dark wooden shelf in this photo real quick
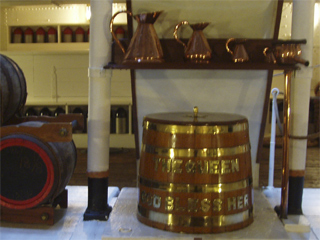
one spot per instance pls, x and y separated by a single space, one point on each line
221 59
208 66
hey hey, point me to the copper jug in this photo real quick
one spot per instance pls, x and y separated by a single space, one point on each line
145 45
239 54
289 52
269 56
198 48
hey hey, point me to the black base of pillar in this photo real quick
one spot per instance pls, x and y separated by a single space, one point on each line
295 192
295 195
98 208
277 209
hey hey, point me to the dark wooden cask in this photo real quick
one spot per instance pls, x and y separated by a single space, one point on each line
13 89
33 172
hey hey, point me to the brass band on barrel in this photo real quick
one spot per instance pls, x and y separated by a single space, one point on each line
191 129
205 152
190 221
196 188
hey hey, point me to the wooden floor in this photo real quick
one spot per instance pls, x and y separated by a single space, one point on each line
122 168
312 170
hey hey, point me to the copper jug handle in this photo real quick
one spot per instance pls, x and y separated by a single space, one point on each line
227 45
175 32
111 29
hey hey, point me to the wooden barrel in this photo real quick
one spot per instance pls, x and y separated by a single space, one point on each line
195 173
13 88
33 172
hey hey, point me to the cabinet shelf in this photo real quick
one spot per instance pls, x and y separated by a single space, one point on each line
49 47
221 59
203 66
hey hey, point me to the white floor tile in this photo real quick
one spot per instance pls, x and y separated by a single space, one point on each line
266 224
70 224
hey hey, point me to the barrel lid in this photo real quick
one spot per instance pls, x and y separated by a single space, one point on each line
25 181
202 118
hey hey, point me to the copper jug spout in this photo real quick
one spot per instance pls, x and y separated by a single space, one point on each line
147 17
300 60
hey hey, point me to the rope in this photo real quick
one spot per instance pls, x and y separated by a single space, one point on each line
282 73
310 136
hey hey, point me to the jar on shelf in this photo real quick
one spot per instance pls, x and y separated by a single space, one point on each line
45 112
113 120
31 112
67 35
52 35
17 35
40 34
78 110
119 32
28 35
59 110
121 121
79 34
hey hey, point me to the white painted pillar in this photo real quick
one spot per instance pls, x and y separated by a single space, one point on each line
302 28
99 110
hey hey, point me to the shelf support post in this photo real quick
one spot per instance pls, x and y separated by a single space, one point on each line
285 156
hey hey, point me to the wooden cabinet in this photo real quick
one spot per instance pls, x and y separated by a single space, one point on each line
61 80
57 71
20 26
30 18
